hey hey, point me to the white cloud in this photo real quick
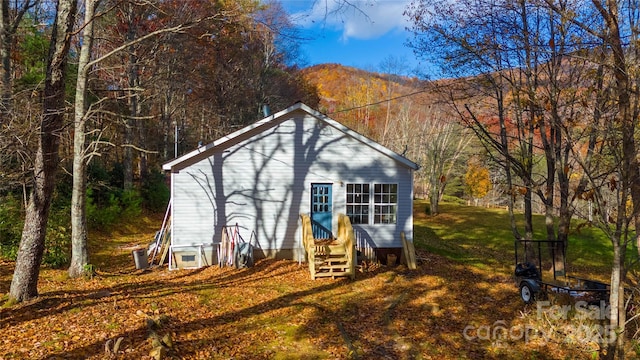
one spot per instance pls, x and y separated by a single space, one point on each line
359 19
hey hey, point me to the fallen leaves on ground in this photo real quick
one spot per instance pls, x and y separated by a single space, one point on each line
270 311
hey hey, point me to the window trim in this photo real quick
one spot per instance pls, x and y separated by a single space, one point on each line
365 207
382 207
388 200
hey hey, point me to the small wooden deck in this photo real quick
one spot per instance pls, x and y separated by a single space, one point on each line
330 257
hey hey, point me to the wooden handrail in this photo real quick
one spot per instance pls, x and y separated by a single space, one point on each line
335 258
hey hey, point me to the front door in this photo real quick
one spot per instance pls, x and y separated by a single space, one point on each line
321 216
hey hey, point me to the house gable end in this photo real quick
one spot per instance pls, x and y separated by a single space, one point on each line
297 110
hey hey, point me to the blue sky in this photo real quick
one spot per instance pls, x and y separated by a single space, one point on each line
361 36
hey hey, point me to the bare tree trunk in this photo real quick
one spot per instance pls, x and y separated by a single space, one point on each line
24 285
629 167
7 32
615 350
143 166
5 58
79 252
130 121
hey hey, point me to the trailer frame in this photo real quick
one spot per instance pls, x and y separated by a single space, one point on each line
533 286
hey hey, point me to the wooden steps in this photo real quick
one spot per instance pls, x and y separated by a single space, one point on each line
332 266
330 257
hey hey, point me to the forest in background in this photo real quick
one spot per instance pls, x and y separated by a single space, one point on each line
159 79
162 79
198 70
541 104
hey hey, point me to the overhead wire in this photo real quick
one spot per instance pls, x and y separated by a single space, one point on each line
378 102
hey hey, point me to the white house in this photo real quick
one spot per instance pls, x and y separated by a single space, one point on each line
265 175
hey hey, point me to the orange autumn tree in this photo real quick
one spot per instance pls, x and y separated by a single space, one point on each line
477 180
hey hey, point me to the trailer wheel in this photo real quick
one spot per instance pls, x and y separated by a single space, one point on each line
526 293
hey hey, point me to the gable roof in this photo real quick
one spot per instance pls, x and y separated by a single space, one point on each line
274 120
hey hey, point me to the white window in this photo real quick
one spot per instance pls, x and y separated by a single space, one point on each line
383 200
358 196
385 197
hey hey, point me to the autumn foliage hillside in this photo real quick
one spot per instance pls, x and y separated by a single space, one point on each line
360 98
365 100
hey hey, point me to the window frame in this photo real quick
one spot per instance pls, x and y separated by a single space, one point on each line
363 204
380 207
385 203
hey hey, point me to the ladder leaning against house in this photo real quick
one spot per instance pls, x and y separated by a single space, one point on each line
162 240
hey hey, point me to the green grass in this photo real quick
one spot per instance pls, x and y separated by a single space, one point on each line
483 238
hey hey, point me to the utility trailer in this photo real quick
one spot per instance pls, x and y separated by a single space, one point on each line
533 257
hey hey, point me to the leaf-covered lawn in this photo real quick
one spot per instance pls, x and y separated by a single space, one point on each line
270 311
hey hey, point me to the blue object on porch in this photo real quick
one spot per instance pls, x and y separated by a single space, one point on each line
321 211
